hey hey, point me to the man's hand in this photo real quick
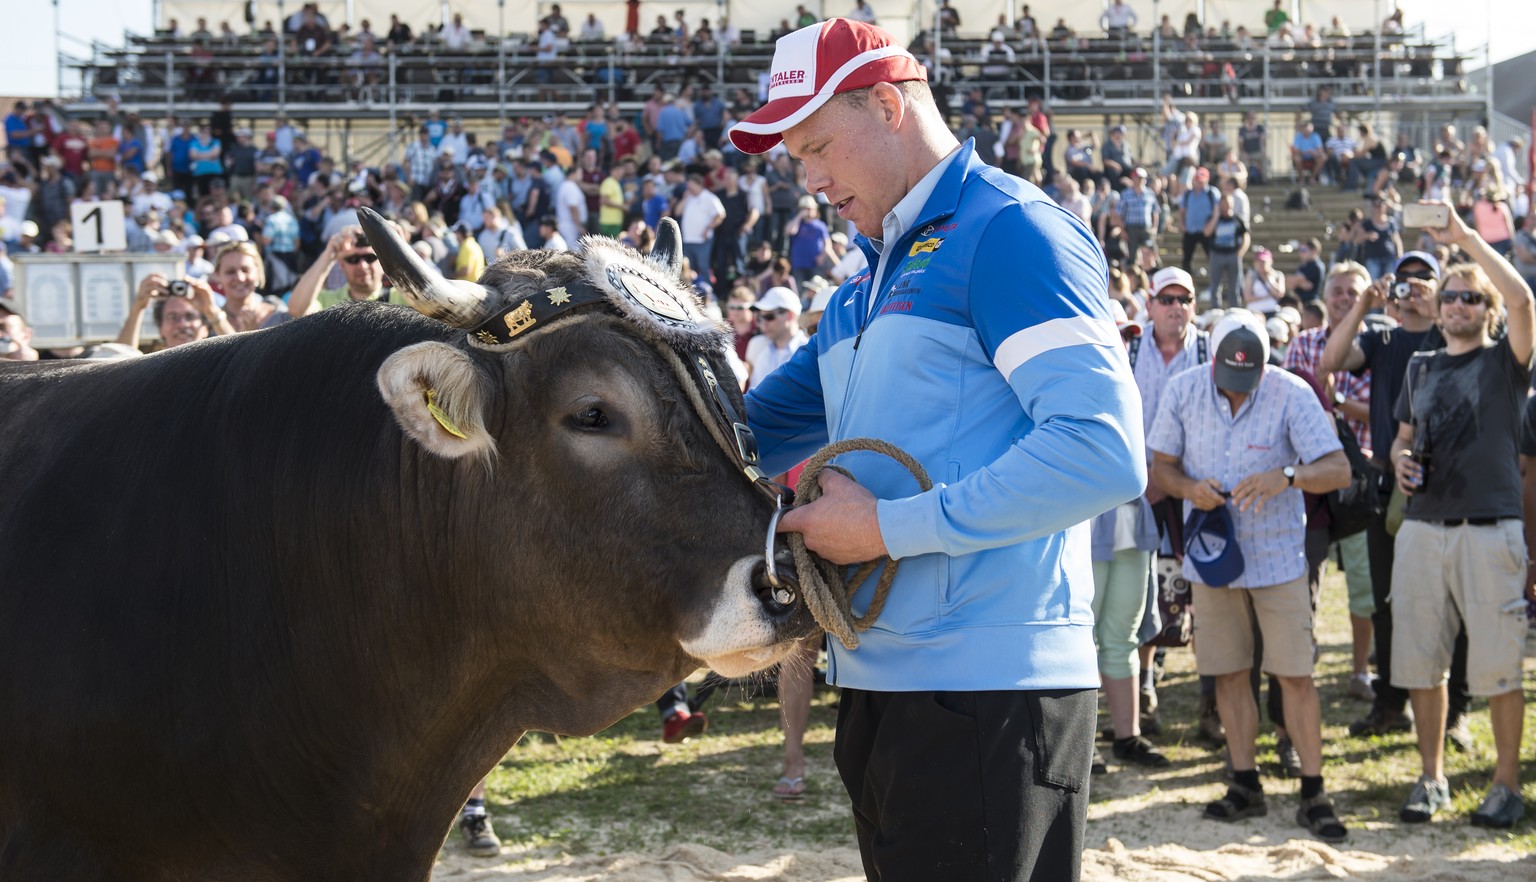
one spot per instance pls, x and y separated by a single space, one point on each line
202 298
1409 473
152 286
1206 495
1257 489
841 525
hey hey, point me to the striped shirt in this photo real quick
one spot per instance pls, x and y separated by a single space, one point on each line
1306 353
1152 373
1136 209
1280 424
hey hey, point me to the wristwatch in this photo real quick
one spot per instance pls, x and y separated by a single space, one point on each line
1290 475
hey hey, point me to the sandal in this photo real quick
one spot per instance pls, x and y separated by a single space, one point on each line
1240 802
1318 816
789 789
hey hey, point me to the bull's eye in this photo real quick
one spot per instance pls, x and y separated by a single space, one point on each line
591 418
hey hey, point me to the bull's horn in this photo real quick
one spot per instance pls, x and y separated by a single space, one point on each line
668 248
456 302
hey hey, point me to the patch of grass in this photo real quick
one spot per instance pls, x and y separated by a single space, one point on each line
623 790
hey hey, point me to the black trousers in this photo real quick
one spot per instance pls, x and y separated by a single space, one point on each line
1190 243
1381 548
968 786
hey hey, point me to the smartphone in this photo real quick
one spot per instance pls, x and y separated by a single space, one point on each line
1427 215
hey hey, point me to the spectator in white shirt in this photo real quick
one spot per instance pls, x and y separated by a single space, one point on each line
1118 19
591 29
863 13
778 311
571 212
456 35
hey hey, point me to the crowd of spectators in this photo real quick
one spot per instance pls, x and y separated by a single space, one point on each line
263 226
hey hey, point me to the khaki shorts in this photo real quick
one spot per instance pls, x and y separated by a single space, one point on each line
1224 628
1443 577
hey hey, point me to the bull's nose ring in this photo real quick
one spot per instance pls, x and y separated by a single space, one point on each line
769 565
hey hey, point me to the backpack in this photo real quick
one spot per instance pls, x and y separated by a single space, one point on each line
1173 592
1202 348
1359 502
1299 200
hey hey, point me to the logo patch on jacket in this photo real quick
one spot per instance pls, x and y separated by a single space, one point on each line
903 305
927 245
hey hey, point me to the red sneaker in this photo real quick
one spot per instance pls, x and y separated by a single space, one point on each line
683 725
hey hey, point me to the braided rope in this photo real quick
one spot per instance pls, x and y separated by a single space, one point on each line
827 595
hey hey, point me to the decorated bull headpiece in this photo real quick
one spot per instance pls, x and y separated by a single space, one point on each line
648 292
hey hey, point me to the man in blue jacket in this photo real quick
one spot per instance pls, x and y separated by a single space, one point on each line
979 340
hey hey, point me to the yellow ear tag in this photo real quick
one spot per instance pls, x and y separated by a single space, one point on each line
442 417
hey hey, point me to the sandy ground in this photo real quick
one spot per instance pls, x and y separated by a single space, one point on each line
1142 828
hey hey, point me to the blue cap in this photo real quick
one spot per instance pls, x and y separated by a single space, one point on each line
1423 257
1210 543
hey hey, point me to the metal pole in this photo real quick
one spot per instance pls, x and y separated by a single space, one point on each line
501 60
1266 105
282 59
170 89
58 53
393 126
938 43
1047 100
612 83
1157 53
1376 62
1488 67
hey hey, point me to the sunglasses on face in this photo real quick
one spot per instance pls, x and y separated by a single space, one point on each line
738 307
355 259
1169 300
1470 298
773 314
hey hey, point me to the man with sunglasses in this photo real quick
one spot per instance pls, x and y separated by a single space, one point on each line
1383 354
776 311
1462 557
1176 345
1243 438
359 267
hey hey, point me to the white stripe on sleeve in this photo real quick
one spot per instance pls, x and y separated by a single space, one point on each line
1054 334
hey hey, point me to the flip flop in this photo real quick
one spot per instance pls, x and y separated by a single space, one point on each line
788 789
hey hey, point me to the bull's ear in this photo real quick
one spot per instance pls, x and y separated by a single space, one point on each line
438 399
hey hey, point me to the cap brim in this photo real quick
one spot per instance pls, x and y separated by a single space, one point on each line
1242 380
761 129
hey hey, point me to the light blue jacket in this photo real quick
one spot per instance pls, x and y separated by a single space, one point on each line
991 357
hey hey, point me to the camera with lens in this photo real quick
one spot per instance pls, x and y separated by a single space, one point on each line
1402 291
179 288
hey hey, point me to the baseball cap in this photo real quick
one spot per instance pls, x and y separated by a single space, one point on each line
1239 349
1210 545
1278 330
1171 275
822 300
813 64
1423 257
778 297
1139 173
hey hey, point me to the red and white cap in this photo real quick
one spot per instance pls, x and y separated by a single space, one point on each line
815 63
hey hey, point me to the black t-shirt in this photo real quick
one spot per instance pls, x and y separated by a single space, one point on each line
1313 271
1386 356
1228 234
735 212
1470 408
1528 428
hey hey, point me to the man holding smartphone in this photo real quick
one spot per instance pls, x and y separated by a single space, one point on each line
1384 354
1461 551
